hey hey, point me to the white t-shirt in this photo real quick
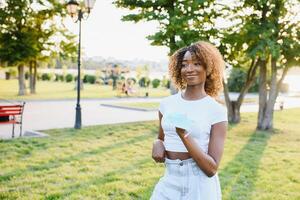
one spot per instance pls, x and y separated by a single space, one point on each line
204 112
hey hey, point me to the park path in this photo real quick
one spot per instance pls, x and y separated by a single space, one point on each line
49 114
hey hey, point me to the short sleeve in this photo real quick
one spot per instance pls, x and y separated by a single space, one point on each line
220 115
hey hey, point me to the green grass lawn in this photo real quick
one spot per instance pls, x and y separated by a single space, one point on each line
114 162
62 90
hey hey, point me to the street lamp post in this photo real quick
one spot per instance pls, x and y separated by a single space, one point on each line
78 12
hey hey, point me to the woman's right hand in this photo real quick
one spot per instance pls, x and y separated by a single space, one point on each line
158 151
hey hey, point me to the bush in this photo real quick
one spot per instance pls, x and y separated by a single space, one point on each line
89 79
56 77
26 75
69 78
155 83
168 85
144 82
165 82
46 77
237 80
38 76
85 78
12 72
61 77
255 86
92 79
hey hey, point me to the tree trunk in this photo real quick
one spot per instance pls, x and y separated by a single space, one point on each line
31 77
267 120
233 110
234 107
227 100
236 114
34 77
21 77
262 94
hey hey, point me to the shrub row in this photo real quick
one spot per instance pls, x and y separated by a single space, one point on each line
92 79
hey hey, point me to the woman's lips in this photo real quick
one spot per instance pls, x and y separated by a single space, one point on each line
189 77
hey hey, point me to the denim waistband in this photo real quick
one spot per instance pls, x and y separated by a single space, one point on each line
186 167
178 161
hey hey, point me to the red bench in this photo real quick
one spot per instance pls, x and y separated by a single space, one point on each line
12 114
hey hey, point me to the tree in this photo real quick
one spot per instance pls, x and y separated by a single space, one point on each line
282 43
234 41
266 37
271 40
16 43
28 28
180 22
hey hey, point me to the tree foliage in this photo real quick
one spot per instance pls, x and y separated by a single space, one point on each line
180 22
31 30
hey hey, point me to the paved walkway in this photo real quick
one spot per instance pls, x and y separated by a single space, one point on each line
43 115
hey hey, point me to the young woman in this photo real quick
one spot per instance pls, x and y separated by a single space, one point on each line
192 156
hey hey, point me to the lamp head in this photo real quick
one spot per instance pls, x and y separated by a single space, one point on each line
72 8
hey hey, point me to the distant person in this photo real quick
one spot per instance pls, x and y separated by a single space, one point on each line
125 89
130 88
281 105
192 155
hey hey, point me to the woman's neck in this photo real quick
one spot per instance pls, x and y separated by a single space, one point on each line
194 92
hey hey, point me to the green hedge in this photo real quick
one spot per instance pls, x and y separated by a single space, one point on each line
69 78
155 83
144 82
46 77
89 79
237 80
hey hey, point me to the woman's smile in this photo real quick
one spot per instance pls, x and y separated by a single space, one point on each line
191 76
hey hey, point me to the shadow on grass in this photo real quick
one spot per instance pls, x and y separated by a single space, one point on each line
77 157
239 175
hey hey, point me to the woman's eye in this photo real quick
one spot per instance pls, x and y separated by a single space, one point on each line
197 64
183 65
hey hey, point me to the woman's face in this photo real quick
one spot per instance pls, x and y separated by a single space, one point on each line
192 70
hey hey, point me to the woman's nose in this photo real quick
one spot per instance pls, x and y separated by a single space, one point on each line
190 67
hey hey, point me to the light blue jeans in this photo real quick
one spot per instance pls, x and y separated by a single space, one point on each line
184 180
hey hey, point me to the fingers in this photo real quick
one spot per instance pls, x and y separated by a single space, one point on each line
158 156
158 159
180 131
158 151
